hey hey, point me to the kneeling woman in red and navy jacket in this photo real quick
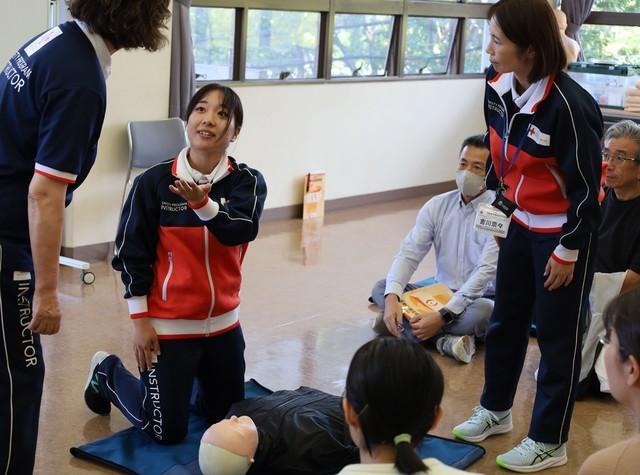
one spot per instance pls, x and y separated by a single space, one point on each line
182 237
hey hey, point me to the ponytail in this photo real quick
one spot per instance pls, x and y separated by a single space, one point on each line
407 460
395 388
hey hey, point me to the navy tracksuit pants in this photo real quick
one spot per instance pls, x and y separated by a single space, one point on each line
21 363
159 402
559 316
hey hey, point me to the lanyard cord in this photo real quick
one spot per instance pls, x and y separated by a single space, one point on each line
505 144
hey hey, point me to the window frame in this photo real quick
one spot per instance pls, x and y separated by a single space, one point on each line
401 10
606 18
246 38
613 19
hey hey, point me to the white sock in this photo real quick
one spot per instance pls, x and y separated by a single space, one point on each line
499 414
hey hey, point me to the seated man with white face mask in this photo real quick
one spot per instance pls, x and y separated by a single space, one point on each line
465 262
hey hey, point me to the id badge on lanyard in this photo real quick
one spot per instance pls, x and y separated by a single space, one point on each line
490 220
495 218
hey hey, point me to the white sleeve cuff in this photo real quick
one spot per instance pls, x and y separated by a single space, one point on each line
208 211
394 288
458 304
564 255
137 306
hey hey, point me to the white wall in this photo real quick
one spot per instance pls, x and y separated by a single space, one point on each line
368 137
20 20
138 89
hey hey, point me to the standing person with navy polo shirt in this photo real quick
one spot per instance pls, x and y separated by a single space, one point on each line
544 133
52 106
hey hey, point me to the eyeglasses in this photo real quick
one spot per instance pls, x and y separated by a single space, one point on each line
618 157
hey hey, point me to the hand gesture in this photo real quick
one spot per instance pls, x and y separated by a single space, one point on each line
192 192
426 325
393 315
46 313
558 274
145 343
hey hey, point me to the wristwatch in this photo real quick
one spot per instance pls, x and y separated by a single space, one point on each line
447 315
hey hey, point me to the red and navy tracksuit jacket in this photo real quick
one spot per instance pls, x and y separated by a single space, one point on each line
555 180
181 265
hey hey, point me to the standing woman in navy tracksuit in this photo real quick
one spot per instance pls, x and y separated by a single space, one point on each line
183 235
544 133
53 99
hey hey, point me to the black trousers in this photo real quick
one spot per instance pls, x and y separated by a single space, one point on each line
158 403
21 363
559 316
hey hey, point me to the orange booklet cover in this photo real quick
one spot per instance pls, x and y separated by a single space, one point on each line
313 201
430 298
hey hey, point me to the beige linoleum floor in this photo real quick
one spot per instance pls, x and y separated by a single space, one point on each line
304 312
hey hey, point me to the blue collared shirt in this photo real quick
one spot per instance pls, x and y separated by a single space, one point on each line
466 260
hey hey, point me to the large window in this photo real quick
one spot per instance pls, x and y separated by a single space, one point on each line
612 32
282 44
276 40
626 6
615 44
213 32
361 45
476 36
428 46
311 39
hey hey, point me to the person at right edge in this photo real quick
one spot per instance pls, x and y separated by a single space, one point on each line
544 134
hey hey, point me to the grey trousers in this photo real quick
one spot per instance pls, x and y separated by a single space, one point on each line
473 321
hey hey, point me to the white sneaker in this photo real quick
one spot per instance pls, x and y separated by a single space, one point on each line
462 348
531 456
482 424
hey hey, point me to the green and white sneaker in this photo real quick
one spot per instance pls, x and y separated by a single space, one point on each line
92 397
531 456
482 424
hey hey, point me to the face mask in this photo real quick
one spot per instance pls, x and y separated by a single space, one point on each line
469 183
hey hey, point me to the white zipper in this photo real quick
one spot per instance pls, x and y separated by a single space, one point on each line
518 190
165 284
558 179
208 267
506 114
506 138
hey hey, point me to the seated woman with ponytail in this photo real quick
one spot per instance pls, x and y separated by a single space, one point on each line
392 399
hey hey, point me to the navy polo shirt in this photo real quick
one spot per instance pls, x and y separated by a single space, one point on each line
52 106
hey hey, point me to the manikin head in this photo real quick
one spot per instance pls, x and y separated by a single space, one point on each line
228 447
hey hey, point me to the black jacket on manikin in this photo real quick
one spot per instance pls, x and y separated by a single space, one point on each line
300 432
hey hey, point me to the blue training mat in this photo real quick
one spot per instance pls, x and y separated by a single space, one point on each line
131 451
